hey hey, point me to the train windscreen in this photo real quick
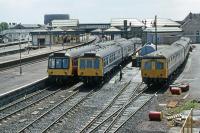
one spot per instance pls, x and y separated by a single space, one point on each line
89 63
58 63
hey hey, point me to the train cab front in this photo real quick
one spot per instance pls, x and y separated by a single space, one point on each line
59 67
154 71
90 69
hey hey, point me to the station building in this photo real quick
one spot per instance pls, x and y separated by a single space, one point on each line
191 27
48 18
61 31
167 30
18 32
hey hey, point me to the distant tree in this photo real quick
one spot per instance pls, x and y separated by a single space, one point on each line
3 26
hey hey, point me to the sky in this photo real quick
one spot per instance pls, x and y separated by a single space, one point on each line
95 11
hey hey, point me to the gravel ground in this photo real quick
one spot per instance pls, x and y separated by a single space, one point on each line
25 117
87 109
140 123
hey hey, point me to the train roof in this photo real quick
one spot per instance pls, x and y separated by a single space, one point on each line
169 51
135 40
80 50
103 52
163 53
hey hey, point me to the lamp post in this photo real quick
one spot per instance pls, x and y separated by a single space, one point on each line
50 34
155 24
20 56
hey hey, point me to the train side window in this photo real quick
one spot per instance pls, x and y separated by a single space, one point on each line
58 63
159 65
107 61
82 63
96 63
147 65
65 63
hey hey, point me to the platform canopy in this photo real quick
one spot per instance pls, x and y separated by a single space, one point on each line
161 22
113 30
97 31
119 22
65 23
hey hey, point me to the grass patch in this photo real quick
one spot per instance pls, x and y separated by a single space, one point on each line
186 106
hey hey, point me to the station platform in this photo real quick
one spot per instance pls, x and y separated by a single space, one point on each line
40 51
3 45
11 79
12 49
31 53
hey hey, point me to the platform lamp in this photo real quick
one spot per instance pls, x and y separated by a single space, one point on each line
20 55
155 25
50 33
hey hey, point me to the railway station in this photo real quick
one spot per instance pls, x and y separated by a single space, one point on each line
122 74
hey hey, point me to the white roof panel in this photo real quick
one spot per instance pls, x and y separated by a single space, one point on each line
161 23
132 21
65 23
112 29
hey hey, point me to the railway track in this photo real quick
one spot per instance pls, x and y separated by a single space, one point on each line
127 111
103 118
18 106
22 108
45 121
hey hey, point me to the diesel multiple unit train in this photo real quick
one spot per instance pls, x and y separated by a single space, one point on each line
63 66
159 66
95 66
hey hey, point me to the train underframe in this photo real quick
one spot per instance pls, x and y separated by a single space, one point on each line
91 80
155 81
62 80
163 81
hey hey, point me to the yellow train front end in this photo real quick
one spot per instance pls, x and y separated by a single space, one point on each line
154 71
66 71
90 69
59 69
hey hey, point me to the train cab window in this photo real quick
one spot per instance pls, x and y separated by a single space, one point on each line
96 63
159 65
82 63
51 63
89 63
147 65
58 63
65 63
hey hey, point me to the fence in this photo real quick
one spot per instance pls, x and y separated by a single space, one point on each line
187 126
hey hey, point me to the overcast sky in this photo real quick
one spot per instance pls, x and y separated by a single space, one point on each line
95 11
